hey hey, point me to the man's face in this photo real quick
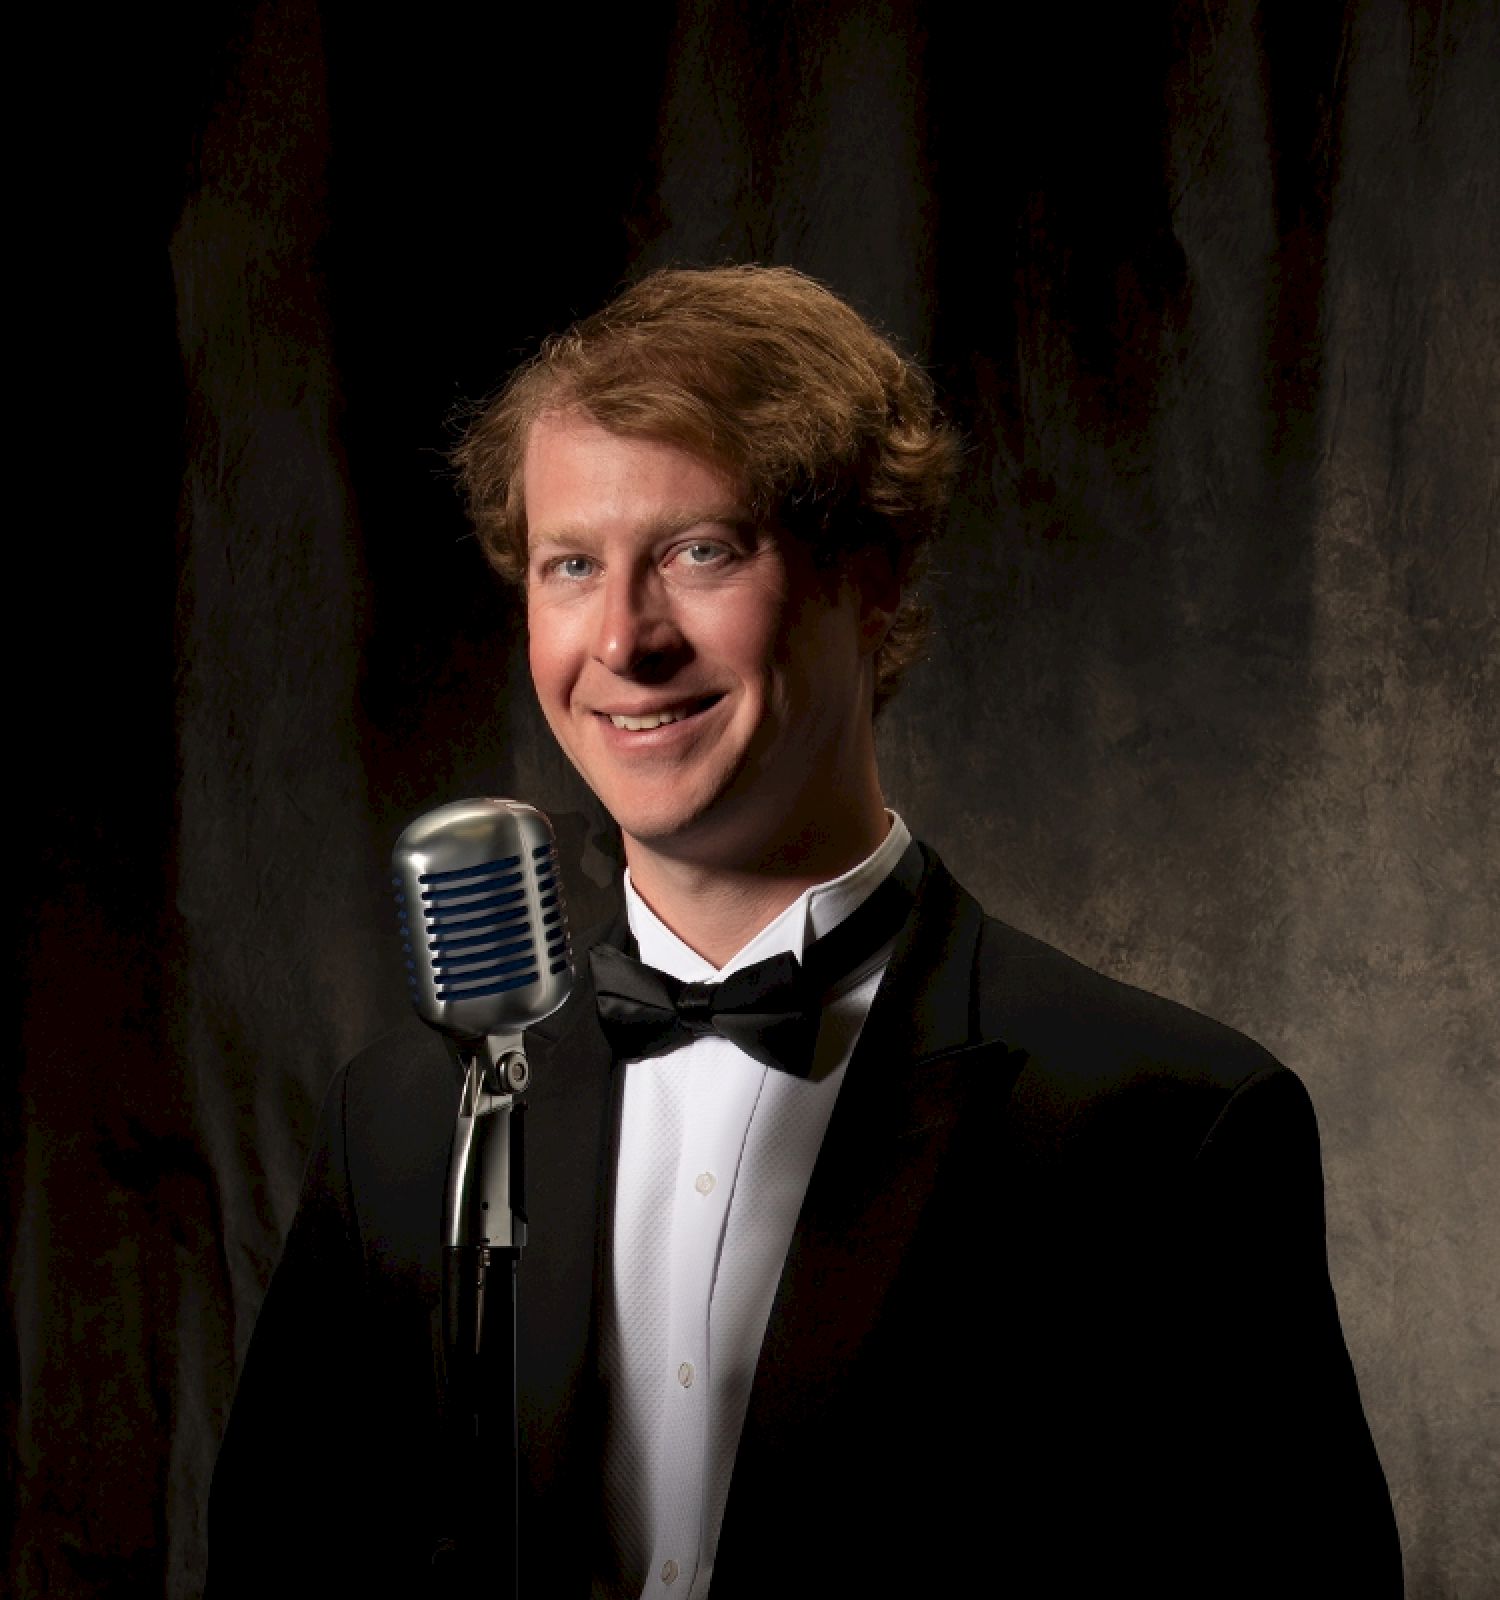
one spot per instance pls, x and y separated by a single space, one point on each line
711 686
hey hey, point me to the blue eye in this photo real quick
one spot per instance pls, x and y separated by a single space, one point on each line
575 566
702 554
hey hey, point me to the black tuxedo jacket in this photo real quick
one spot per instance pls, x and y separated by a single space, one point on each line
1056 1317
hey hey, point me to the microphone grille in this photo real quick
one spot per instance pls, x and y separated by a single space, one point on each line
484 930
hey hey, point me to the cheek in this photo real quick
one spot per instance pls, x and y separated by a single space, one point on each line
823 668
548 656
752 636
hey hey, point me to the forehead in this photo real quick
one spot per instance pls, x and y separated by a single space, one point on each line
579 476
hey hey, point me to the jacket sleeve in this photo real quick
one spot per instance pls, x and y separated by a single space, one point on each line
284 1469
1287 1467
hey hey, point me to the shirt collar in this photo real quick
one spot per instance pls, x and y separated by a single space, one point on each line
815 912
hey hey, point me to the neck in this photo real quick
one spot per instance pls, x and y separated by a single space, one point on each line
717 908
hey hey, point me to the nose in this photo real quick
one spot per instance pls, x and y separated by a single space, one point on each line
638 635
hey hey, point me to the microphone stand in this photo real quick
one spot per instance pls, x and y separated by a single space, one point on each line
484 1230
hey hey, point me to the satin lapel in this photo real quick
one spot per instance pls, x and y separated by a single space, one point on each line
913 1072
570 1123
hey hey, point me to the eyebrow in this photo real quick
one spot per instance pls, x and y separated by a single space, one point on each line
729 515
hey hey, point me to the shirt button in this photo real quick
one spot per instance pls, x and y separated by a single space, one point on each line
669 1572
705 1183
685 1374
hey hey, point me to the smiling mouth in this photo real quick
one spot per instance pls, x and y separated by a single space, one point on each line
659 719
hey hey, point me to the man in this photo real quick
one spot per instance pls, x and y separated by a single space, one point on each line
974 1273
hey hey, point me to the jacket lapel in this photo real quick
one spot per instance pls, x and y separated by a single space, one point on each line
570 1131
909 1079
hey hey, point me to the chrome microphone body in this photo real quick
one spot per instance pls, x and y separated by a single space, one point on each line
488 954
484 928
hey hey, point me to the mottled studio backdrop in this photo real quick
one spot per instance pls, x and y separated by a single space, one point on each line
1213 289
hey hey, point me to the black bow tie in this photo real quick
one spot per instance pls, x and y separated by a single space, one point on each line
771 1009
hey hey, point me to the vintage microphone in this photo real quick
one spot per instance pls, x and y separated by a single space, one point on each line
488 954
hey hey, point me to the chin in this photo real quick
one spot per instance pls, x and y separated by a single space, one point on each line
668 821
668 833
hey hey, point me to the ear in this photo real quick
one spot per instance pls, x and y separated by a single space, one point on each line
873 574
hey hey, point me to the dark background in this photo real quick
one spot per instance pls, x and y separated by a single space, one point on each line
1213 290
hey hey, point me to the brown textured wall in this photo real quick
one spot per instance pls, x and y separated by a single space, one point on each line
1214 292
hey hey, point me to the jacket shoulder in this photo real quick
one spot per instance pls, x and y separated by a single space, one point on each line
391 1111
397 1094
1101 1057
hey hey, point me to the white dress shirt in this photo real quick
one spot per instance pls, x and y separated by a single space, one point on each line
715 1155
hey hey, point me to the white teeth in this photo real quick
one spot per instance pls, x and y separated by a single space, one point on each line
640 724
